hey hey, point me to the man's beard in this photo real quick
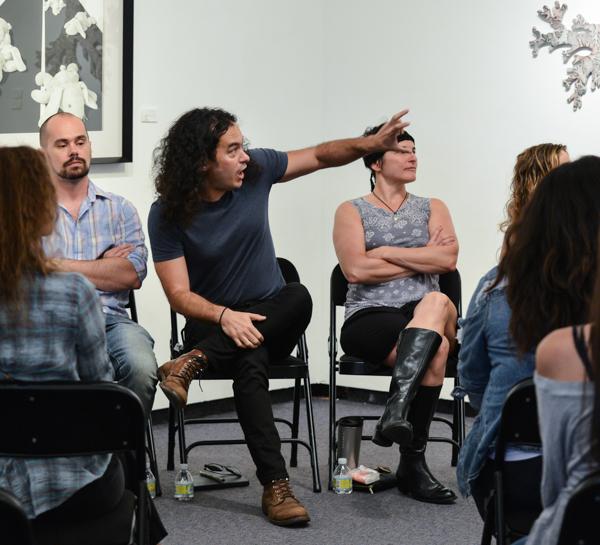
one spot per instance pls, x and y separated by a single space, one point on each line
75 175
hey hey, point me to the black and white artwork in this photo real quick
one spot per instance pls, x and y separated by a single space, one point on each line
55 55
65 74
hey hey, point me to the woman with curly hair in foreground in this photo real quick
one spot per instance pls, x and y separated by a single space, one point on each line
544 281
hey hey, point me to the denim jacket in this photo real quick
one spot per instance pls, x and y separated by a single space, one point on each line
488 368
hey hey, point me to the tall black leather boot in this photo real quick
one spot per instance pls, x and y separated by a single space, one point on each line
414 477
416 348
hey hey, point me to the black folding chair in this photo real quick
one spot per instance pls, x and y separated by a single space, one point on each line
293 367
14 524
77 419
580 521
150 444
450 284
518 426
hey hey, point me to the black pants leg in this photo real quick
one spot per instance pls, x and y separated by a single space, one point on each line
253 406
97 498
288 314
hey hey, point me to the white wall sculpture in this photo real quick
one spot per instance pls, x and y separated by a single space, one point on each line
56 5
10 56
63 92
79 24
583 43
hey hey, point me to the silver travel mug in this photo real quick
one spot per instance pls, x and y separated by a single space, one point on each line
349 438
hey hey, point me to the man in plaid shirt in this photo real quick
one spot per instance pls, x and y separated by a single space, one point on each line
99 235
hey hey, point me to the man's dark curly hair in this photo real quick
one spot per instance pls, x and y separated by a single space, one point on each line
550 260
180 157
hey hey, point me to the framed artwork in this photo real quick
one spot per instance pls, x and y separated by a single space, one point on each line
68 55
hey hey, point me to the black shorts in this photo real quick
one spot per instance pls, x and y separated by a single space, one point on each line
372 333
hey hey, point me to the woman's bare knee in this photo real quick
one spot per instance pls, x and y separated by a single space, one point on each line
432 312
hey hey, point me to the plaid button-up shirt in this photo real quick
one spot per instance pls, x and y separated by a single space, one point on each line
59 336
105 220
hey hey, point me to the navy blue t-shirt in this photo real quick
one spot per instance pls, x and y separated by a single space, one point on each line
227 246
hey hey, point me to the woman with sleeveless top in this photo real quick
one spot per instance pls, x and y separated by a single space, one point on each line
567 382
391 246
544 281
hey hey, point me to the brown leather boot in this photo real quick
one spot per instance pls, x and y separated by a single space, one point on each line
176 375
281 506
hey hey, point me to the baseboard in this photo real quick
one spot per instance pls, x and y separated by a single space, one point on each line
218 406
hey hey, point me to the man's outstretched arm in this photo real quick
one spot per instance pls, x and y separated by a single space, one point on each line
341 152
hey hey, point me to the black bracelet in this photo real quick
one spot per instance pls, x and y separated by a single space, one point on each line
221 317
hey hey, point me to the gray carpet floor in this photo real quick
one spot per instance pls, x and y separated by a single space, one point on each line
233 516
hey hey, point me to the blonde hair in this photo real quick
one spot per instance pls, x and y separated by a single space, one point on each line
531 166
27 209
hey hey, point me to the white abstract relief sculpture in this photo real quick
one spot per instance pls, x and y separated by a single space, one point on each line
583 43
79 24
56 5
63 92
10 56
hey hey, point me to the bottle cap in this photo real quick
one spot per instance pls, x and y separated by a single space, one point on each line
184 466
342 461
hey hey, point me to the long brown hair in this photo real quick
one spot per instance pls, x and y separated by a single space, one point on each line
551 249
531 166
595 350
27 210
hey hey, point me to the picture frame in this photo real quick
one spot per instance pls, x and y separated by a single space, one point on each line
86 67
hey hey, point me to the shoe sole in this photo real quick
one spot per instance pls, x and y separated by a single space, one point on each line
296 521
440 501
172 396
288 522
398 434
381 440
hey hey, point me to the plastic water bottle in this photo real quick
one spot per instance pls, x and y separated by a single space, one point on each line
184 484
342 480
150 481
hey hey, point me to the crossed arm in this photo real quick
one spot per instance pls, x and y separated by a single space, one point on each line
390 262
120 267
111 272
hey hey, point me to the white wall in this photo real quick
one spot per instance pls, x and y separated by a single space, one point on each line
297 73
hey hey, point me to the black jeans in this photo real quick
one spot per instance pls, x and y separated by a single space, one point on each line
96 499
288 314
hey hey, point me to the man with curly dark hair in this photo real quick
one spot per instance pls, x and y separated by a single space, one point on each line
214 254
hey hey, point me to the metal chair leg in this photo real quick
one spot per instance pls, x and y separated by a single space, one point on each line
151 448
310 423
332 421
458 424
181 435
171 439
455 430
295 422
